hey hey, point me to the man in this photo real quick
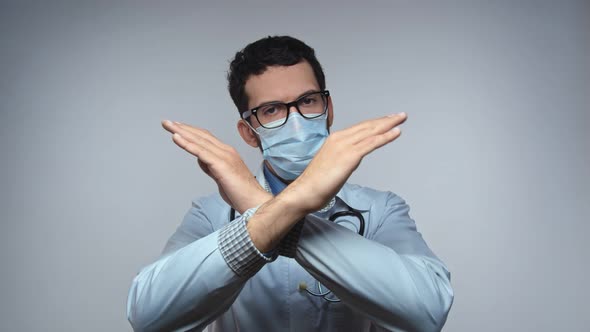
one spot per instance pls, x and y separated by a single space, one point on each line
295 248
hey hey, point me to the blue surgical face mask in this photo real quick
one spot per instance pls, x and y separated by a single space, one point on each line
290 148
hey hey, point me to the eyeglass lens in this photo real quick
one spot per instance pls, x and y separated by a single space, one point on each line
310 106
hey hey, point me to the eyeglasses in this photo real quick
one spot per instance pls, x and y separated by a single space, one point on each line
273 115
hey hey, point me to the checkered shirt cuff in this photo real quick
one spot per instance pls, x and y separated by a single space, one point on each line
237 248
288 245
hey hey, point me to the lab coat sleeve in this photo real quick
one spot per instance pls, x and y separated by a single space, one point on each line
392 277
197 278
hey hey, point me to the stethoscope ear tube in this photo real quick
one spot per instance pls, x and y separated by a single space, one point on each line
353 213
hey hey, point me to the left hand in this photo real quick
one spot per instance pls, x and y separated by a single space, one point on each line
222 163
337 159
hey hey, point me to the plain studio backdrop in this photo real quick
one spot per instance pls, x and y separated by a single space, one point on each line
494 159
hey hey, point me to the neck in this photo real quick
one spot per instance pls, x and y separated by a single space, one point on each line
267 164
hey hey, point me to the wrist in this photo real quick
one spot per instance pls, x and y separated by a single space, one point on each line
296 197
256 198
262 197
272 221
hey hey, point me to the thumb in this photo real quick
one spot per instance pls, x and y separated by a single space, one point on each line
204 167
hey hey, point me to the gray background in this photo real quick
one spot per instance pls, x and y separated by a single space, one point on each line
493 160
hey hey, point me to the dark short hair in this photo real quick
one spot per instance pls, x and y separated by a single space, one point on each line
263 53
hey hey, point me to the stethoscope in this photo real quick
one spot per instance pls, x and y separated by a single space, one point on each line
349 212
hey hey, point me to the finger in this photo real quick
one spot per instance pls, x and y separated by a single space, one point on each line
197 149
359 131
376 127
203 134
374 142
195 136
169 126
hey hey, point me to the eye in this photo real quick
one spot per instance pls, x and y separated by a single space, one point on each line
309 100
268 110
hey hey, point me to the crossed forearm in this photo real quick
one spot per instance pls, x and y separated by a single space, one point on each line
338 157
274 219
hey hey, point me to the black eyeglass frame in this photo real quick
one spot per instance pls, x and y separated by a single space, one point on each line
253 111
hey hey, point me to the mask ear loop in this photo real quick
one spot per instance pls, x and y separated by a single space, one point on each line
256 134
250 126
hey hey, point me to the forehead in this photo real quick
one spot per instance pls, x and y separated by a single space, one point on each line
280 83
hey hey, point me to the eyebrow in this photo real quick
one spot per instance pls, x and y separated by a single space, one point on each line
278 101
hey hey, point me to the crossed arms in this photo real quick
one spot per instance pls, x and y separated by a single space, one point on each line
413 291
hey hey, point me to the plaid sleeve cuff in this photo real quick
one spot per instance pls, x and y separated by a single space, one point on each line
288 245
237 248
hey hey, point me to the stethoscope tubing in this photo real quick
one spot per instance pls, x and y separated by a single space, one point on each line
361 231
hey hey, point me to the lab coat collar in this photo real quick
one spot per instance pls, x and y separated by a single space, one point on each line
348 193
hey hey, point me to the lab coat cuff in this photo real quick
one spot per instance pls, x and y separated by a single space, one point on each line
238 250
288 245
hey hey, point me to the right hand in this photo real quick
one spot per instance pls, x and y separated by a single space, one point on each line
340 155
237 186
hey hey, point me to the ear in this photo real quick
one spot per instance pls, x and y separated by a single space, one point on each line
247 134
330 112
